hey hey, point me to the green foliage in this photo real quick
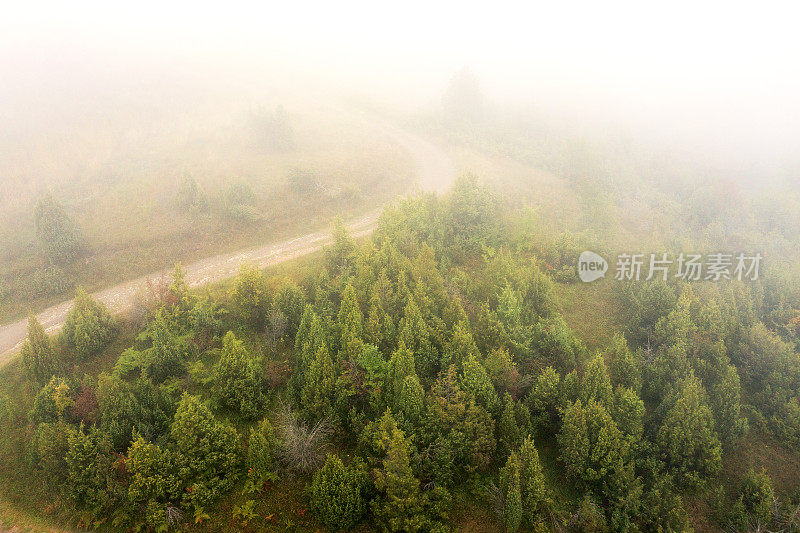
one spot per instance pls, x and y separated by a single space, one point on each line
596 384
189 196
757 496
48 448
262 453
535 495
207 452
455 421
51 402
153 482
38 354
476 382
133 408
58 235
471 217
400 504
554 344
623 365
544 399
338 493
592 448
91 481
250 296
320 386
350 323
416 336
88 326
164 358
512 491
238 382
686 438
290 302
339 255
646 303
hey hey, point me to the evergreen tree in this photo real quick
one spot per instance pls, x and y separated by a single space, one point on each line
379 328
238 382
411 400
544 399
338 493
38 354
58 235
596 385
460 347
90 476
534 489
592 447
416 336
262 452
399 505
512 501
686 438
350 322
320 386
401 365
249 295
623 366
477 383
88 327
207 452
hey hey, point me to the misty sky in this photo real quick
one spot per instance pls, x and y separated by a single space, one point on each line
713 75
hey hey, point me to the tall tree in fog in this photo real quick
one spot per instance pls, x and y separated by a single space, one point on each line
463 102
59 236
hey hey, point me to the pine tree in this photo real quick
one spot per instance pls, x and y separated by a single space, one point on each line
379 328
534 489
411 399
399 505
512 494
337 493
624 368
59 236
38 354
88 327
249 295
596 385
262 452
207 452
401 365
320 386
460 347
350 322
415 335
592 447
476 382
238 384
686 438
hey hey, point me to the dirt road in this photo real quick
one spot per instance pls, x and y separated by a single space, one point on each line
434 172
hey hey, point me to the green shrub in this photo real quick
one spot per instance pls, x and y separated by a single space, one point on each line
262 453
338 493
88 327
58 235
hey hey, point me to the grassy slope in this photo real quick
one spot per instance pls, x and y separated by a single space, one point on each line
125 202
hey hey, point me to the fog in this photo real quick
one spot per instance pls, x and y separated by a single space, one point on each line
720 81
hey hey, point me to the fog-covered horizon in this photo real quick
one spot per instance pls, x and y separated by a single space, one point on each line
721 81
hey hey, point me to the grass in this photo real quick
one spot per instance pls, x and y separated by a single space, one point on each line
126 205
592 310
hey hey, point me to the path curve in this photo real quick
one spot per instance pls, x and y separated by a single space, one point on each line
434 173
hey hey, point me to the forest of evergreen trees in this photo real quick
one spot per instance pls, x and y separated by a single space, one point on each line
392 377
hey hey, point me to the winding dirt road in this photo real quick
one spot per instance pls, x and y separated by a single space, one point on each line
434 173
